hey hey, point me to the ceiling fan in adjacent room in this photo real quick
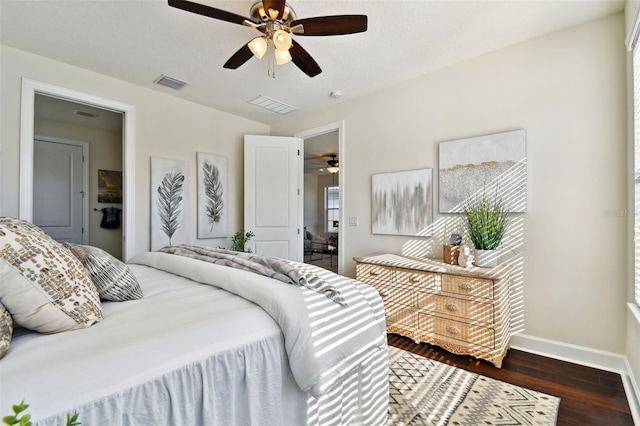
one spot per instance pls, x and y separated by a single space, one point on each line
276 20
317 165
332 165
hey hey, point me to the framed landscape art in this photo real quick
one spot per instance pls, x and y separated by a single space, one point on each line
402 203
109 186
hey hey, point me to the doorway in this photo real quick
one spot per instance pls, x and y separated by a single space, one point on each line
32 88
62 123
323 206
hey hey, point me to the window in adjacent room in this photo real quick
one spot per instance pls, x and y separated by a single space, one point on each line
331 208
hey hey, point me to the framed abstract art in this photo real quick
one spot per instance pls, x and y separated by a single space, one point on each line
402 203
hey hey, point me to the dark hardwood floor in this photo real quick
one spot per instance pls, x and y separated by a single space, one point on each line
588 396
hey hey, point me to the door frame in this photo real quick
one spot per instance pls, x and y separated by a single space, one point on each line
338 126
29 89
85 178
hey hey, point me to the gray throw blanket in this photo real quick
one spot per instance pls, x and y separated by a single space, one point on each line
272 267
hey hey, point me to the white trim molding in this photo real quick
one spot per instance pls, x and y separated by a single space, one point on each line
338 126
603 360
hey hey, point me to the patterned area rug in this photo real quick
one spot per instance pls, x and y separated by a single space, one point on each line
428 392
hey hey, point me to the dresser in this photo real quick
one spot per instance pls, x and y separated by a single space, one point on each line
466 311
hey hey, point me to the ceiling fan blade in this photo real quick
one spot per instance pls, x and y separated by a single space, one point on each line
209 11
304 61
278 5
239 58
330 25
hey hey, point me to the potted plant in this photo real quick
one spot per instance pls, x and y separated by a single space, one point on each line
486 221
239 240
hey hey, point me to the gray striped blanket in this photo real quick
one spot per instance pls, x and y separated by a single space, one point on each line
273 267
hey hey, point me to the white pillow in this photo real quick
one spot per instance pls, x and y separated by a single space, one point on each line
113 279
42 284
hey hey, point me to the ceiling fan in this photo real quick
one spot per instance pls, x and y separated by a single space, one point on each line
276 20
333 165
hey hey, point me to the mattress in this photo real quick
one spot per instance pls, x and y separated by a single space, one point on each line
185 354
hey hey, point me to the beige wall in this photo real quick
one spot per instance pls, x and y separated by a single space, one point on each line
311 218
567 90
105 153
165 127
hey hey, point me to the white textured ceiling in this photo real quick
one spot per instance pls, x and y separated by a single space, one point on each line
138 40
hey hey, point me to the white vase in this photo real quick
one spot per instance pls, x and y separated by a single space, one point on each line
486 258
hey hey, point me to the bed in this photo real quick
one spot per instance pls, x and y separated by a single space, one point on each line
208 344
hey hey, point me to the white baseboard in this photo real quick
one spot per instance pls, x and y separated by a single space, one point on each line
602 360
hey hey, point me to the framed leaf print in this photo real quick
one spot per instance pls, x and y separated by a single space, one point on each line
169 202
212 196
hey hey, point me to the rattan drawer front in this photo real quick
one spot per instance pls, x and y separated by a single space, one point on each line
398 315
399 295
468 286
417 279
373 274
472 334
464 309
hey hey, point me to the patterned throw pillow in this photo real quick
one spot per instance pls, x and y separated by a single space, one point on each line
6 330
42 285
113 279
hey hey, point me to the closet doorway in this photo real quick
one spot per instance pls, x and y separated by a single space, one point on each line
60 126
124 114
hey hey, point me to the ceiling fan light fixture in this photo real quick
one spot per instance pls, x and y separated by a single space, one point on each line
282 56
282 40
258 47
333 165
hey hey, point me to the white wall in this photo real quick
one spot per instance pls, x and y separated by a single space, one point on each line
165 127
567 90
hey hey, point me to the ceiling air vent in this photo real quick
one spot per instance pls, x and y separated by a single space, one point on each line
173 83
272 105
86 113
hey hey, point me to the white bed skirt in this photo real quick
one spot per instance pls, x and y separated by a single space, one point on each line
187 354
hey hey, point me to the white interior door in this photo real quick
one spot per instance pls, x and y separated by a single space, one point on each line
58 190
272 195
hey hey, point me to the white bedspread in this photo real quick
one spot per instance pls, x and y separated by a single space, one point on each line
186 354
323 338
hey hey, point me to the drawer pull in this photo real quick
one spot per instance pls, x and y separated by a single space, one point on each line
416 278
374 273
452 307
452 330
465 286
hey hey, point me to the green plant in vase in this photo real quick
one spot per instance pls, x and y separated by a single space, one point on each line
239 240
486 221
